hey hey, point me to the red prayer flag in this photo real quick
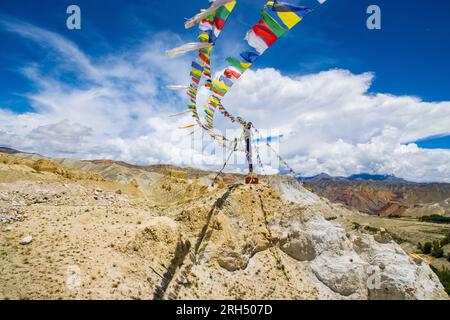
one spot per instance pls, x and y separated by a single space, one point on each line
262 30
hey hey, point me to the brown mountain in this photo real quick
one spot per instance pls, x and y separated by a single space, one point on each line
385 197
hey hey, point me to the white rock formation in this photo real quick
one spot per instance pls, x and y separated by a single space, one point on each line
357 266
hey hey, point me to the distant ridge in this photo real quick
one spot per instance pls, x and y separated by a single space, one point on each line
384 195
320 177
375 177
9 150
356 177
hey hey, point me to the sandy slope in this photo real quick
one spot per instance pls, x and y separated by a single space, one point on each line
103 231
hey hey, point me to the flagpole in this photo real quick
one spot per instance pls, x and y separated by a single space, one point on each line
248 142
251 178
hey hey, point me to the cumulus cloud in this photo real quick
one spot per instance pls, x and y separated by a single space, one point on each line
116 107
332 124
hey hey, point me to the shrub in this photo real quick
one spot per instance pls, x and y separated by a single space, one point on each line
444 277
427 247
446 240
436 245
435 218
371 229
435 248
356 226
437 252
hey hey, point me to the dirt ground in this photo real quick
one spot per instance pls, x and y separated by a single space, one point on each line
98 239
103 231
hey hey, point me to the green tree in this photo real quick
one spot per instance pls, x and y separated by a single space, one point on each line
444 277
427 247
446 240
437 250
438 253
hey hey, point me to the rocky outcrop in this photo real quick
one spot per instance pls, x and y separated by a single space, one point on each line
394 274
359 266
296 239
343 272
299 245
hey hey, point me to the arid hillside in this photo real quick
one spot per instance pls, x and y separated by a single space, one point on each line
105 230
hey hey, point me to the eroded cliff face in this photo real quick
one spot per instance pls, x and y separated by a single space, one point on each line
105 231
275 242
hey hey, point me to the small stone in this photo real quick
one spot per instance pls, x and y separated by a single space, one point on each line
382 266
119 191
7 229
26 240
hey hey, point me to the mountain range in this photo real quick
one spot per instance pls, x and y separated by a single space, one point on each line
9 150
356 177
384 195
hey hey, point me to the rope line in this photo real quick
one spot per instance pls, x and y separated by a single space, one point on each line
226 162
282 161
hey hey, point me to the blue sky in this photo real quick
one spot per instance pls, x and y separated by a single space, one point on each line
408 57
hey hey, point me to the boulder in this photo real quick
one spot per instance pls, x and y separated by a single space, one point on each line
344 272
233 261
299 246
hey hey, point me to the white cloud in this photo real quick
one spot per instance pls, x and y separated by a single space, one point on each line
332 124
118 109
